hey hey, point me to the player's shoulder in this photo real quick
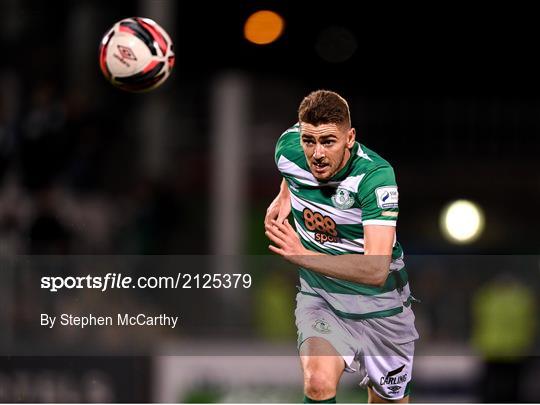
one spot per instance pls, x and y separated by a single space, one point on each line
367 160
371 169
290 136
288 144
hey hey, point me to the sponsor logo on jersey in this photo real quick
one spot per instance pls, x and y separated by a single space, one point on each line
387 197
342 199
322 238
393 377
394 389
321 326
323 227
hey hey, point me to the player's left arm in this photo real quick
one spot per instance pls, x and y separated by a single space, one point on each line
379 240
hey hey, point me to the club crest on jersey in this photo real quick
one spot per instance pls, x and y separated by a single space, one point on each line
342 199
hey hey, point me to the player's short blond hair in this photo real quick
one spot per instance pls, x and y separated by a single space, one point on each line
324 107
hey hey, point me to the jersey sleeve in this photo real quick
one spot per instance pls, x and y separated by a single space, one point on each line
378 197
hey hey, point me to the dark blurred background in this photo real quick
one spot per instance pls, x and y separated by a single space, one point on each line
449 96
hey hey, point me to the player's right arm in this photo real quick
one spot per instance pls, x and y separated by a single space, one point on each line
280 208
370 269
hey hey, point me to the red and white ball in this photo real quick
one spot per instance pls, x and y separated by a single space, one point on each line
136 54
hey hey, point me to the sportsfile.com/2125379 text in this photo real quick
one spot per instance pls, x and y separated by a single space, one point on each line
119 281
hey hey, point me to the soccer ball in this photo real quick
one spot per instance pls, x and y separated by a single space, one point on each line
136 54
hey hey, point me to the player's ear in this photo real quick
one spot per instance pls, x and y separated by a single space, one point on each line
351 137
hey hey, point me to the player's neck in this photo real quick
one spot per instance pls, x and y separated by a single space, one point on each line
344 162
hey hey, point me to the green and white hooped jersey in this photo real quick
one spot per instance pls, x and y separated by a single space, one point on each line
330 217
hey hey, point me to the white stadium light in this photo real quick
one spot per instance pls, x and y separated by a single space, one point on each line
462 221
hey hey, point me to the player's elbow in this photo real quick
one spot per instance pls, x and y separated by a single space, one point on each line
379 278
380 268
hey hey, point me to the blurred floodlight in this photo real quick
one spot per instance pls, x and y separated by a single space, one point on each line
263 27
462 221
336 44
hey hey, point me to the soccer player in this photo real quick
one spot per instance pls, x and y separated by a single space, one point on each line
354 304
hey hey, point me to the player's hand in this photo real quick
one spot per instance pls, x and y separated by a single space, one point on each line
278 210
286 241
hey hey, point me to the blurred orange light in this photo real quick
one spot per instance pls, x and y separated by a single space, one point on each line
263 27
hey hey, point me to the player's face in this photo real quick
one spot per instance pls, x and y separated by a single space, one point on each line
327 148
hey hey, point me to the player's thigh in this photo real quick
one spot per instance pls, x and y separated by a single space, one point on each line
322 334
321 361
373 398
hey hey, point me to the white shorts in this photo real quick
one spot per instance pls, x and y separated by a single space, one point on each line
381 348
